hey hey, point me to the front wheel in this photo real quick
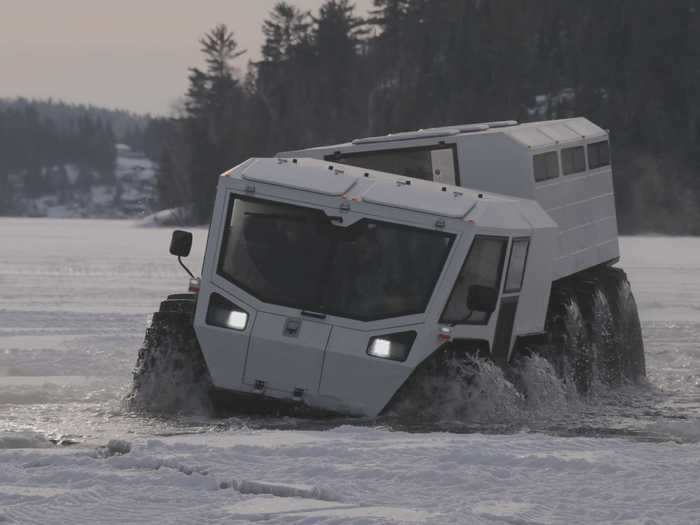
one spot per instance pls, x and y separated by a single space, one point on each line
170 375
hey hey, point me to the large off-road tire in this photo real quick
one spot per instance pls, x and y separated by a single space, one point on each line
594 329
171 375
446 377
571 350
627 325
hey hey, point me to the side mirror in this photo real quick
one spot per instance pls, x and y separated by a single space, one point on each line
181 243
482 298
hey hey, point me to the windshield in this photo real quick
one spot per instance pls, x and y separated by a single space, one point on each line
298 257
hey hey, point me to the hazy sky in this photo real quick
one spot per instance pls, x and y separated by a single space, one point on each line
131 54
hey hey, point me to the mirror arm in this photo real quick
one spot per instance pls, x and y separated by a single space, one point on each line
179 259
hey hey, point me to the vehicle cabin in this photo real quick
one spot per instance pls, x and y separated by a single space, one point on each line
564 165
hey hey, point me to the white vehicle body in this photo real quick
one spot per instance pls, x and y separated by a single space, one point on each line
483 199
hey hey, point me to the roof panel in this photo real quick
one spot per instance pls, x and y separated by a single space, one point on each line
530 136
560 132
586 128
314 177
448 204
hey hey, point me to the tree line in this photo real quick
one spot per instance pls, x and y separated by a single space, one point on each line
51 148
629 65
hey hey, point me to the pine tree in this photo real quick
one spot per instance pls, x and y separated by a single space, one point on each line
213 104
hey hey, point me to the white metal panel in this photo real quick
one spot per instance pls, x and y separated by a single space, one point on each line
560 132
315 177
365 384
534 295
530 136
585 128
445 203
496 163
282 361
443 163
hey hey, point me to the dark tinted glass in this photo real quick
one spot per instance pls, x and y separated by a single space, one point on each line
410 163
483 266
294 256
546 166
573 160
598 154
516 265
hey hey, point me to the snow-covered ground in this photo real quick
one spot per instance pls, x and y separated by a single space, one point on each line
75 298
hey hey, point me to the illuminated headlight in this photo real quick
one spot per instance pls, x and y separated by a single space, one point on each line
392 346
225 314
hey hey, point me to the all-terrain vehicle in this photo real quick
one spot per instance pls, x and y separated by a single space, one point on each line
336 277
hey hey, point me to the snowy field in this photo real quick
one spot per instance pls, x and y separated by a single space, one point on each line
74 300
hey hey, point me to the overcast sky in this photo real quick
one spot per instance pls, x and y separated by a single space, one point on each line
130 54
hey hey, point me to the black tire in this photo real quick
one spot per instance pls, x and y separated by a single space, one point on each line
441 379
606 339
595 330
599 311
171 375
628 326
571 350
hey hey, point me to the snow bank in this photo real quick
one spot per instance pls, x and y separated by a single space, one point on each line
355 475
13 440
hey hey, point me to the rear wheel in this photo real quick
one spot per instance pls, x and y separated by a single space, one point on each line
594 329
571 349
170 373
627 325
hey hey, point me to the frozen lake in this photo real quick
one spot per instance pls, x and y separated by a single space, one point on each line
76 295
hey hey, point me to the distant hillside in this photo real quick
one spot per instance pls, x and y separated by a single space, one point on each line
125 124
72 160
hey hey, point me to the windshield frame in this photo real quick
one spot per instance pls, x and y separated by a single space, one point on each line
225 229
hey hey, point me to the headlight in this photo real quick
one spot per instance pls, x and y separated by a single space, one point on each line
225 314
392 346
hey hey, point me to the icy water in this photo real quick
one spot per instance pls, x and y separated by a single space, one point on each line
75 296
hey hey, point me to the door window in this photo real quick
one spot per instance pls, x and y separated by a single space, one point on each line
516 265
482 267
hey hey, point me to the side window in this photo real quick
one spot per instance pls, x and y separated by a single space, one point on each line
428 163
598 154
483 267
573 160
545 166
516 265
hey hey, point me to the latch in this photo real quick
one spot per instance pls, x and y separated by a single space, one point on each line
292 327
